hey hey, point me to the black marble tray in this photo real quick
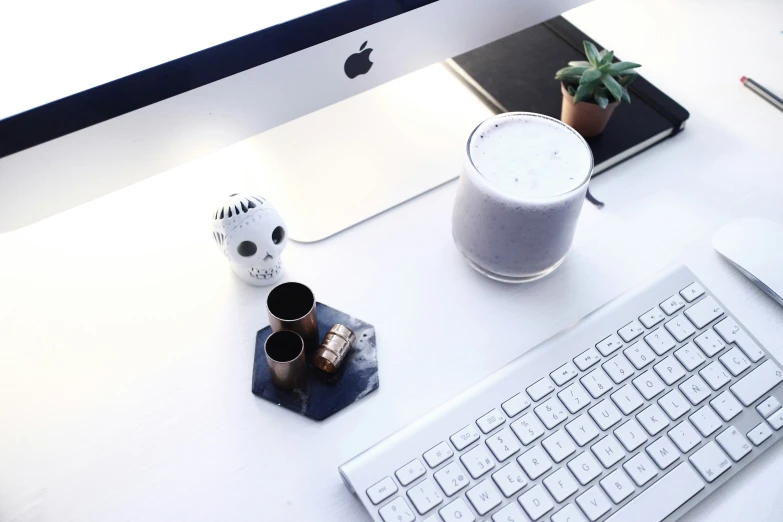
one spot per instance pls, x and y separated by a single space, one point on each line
325 393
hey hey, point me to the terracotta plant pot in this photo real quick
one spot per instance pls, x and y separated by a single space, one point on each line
588 119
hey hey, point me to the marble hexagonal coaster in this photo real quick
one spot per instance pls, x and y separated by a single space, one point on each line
325 393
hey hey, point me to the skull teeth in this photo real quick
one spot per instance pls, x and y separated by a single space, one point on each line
267 273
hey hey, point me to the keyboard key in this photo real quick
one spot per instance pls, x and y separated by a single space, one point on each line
559 445
541 389
768 407
535 462
672 304
485 497
438 455
491 420
734 443
653 419
585 468
587 359
754 385
640 355
652 317
451 478
597 382
662 498
704 312
528 428
735 361
516 405
397 511
706 421
510 479
457 511
618 368
410 472
760 433
609 345
732 333
618 486
692 292
670 370
382 490
511 512
684 435
574 397
503 444
710 342
715 374
564 374
606 414
478 461
582 429
551 412
660 341
561 485
690 357
570 513
631 331
536 502
726 405
425 496
663 452
695 389
594 503
465 437
631 435
628 399
649 384
776 420
680 327
674 404
710 461
608 451
641 469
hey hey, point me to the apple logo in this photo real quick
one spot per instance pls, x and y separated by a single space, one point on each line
358 63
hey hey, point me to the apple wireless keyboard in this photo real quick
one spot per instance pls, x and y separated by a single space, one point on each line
636 414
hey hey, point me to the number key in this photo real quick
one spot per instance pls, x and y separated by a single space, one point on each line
478 461
597 382
397 511
451 478
640 355
618 368
551 412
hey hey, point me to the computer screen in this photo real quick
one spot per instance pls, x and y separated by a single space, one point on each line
55 49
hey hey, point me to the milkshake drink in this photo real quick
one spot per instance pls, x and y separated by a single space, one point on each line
520 195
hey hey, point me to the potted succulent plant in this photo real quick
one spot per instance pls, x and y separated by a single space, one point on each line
592 89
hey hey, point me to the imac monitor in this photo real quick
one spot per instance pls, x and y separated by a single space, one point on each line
96 97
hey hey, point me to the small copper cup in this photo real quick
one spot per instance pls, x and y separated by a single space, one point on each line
291 306
285 356
334 349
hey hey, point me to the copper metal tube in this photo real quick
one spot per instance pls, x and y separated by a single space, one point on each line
285 356
291 306
334 349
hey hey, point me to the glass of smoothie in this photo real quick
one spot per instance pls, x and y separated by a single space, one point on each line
520 195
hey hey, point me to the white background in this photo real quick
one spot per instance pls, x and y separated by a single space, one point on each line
51 49
126 343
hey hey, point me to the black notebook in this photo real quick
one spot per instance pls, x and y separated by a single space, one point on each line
517 73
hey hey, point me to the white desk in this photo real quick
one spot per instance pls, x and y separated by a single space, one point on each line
126 343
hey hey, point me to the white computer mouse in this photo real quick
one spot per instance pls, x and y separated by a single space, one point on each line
755 247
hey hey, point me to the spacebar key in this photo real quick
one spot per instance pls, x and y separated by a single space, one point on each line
663 498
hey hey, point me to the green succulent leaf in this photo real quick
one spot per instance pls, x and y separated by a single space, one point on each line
622 68
607 57
601 100
593 56
626 96
583 92
580 64
570 73
615 88
590 75
571 90
626 80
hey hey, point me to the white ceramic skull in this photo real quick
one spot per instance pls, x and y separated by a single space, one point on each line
252 236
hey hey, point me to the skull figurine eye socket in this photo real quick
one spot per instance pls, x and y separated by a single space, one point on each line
278 234
246 248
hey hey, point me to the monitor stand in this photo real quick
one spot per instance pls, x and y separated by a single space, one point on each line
339 166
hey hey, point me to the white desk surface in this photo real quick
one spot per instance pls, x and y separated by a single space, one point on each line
126 343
